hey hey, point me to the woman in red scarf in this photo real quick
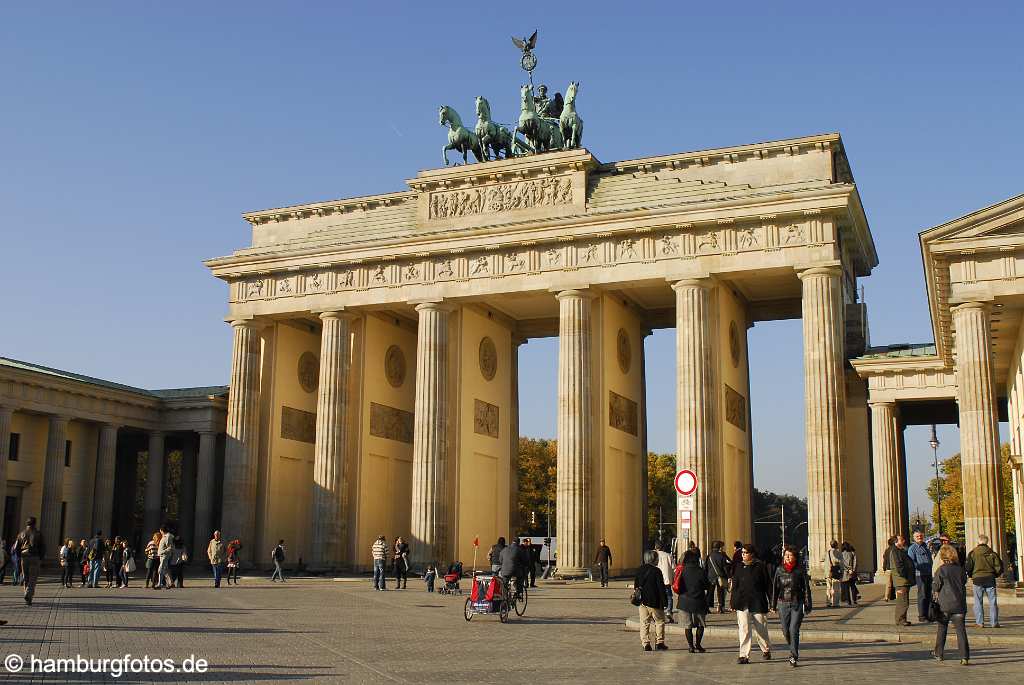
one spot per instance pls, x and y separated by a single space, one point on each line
791 597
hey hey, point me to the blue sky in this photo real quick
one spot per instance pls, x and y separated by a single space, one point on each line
132 136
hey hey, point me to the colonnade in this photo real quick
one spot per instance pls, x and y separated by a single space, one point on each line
976 397
698 423
198 481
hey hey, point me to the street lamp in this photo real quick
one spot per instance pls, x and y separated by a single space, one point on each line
934 442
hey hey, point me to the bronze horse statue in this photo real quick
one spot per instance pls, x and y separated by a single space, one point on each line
541 133
495 139
460 138
570 123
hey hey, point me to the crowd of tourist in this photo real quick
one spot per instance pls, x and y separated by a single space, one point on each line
759 584
111 562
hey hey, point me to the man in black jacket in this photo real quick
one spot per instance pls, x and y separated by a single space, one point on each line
531 558
511 564
603 559
31 549
651 585
902 569
750 588
719 569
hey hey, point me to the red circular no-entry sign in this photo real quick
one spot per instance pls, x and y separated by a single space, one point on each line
686 482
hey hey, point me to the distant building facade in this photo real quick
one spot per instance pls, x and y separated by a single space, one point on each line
80 454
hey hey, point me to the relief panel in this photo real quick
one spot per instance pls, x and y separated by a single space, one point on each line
485 418
735 408
299 425
623 413
391 423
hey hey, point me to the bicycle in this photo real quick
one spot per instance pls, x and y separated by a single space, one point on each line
520 597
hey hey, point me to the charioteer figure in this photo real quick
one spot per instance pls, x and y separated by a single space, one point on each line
548 107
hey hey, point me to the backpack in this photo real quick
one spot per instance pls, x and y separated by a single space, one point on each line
677 580
278 553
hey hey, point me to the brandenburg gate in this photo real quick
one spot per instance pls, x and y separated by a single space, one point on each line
374 383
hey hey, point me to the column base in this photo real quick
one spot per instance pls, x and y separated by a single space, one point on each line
572 573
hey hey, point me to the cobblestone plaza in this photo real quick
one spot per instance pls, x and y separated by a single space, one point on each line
320 631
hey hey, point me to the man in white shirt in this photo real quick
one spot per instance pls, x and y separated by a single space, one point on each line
665 564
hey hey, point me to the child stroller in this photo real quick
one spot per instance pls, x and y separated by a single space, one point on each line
488 597
451 580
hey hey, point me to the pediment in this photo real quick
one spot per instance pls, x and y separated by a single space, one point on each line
1001 220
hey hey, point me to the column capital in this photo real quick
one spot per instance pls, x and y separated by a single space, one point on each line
433 306
6 408
59 418
702 283
345 314
882 403
109 425
582 293
823 270
156 433
209 431
253 324
974 304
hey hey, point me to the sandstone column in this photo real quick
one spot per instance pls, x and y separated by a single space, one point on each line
6 413
332 426
575 435
513 430
430 437
206 475
241 454
154 483
187 490
885 467
824 411
1017 481
979 437
644 503
103 492
697 436
53 482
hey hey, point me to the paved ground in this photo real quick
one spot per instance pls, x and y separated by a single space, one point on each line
322 631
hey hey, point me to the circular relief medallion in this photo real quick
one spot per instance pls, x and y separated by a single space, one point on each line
394 366
488 358
734 343
623 350
309 372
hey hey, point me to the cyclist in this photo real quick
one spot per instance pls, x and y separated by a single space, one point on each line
511 565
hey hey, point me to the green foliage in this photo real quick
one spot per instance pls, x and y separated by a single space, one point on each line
767 508
536 467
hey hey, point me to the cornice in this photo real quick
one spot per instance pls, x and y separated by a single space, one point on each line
503 170
935 257
830 199
894 365
731 155
328 207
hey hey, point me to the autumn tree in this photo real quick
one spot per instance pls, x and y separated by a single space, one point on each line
536 469
661 493
951 485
